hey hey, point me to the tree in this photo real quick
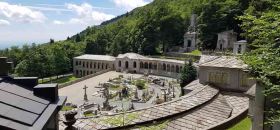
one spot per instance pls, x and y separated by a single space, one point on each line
262 31
78 38
51 41
217 16
188 74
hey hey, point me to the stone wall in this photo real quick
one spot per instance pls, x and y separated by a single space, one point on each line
234 78
83 78
182 55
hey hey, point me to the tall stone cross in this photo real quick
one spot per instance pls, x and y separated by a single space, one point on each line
85 95
5 66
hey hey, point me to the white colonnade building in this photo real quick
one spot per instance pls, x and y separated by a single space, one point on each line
128 62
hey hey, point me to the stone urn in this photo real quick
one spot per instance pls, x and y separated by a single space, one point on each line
70 118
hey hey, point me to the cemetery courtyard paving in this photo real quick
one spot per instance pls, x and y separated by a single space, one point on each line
75 92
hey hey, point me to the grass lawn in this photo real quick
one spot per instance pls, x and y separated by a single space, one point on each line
89 115
244 124
195 53
65 79
61 80
66 108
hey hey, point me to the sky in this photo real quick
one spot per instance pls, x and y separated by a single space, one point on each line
36 21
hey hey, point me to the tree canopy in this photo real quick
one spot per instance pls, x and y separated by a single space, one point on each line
262 29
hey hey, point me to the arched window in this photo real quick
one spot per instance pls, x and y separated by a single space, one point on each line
146 65
83 64
172 68
168 68
90 65
141 65
80 62
87 64
164 66
94 65
120 64
150 66
134 64
98 66
126 64
77 62
155 66
177 69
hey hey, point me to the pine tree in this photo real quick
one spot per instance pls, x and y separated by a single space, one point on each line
188 74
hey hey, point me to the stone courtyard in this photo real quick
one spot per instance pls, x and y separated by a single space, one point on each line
104 94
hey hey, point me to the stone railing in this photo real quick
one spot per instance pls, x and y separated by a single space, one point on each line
217 52
183 55
83 78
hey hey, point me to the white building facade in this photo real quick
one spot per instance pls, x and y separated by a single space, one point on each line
129 62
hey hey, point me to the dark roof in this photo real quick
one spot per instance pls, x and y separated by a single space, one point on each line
21 109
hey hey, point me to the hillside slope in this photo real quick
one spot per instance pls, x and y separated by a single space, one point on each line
148 30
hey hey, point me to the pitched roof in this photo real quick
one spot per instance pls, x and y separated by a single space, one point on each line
131 56
96 57
136 56
222 62
21 109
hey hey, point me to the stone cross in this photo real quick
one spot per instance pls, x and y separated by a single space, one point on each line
85 95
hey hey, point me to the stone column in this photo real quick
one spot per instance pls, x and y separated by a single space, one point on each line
258 117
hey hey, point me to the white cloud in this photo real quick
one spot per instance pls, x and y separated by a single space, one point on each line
20 13
58 22
128 5
4 22
86 15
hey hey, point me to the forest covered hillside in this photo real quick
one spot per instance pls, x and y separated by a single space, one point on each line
160 25
148 30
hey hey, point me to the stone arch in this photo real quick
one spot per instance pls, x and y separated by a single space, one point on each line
168 67
172 68
120 64
150 65
164 67
126 64
155 66
146 65
141 65
177 69
134 64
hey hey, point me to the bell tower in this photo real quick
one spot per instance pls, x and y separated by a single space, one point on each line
190 37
